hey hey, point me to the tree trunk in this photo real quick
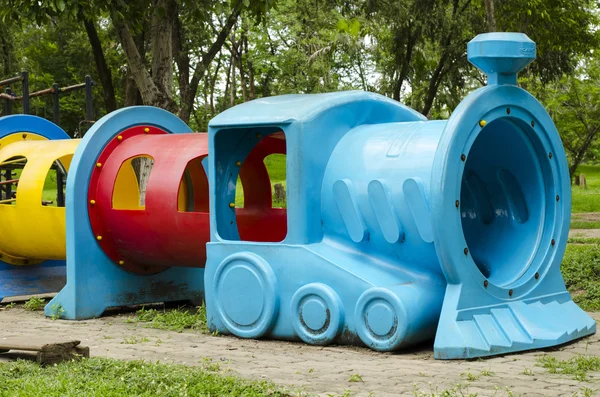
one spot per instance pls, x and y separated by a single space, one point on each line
445 57
227 84
490 15
161 46
266 89
580 154
236 54
242 78
132 94
6 54
252 93
104 73
151 94
181 56
206 117
213 82
405 64
434 84
232 85
187 97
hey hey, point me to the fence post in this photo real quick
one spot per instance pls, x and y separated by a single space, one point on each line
7 104
89 108
55 103
25 83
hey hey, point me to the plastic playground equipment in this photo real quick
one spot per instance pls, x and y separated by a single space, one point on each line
397 229
125 246
34 154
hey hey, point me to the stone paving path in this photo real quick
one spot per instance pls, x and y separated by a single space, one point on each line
585 217
309 370
585 233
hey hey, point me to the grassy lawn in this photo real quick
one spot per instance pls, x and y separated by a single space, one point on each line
107 377
275 164
581 224
587 200
49 192
581 271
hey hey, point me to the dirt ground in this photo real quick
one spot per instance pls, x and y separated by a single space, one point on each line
585 233
310 370
586 216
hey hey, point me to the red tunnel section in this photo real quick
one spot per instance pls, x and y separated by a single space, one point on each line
161 234
258 221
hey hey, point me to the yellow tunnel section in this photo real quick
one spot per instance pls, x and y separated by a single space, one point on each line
31 232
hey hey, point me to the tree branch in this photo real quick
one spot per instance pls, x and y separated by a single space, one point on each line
187 102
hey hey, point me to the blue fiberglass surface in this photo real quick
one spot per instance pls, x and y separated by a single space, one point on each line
503 200
402 229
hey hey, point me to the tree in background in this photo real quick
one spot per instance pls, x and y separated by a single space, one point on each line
574 104
199 58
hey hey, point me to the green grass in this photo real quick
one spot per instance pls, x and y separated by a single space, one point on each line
578 366
585 225
174 319
583 240
275 164
112 378
355 378
587 200
581 271
34 304
50 191
50 188
460 390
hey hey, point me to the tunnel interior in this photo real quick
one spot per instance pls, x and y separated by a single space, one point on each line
505 189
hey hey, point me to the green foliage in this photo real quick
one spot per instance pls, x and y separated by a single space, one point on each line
577 366
583 240
561 37
108 377
34 304
135 340
56 311
59 52
571 101
528 372
175 319
355 378
486 372
585 392
581 271
469 376
411 50
459 390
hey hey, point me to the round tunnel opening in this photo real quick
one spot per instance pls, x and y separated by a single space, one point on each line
503 200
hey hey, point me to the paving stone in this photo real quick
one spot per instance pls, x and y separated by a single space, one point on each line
313 370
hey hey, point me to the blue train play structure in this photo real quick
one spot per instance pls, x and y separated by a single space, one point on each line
397 230
400 228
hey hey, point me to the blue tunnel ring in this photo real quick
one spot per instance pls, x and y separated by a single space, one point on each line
461 132
381 319
317 314
24 123
246 277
